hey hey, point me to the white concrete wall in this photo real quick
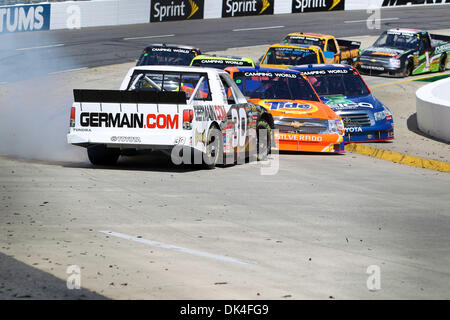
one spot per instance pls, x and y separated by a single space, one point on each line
101 13
433 109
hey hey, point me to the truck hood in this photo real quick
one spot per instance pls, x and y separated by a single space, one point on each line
341 103
296 108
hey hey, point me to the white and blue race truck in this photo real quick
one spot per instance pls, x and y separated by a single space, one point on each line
173 109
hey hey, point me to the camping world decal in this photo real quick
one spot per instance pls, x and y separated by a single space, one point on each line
170 10
299 6
236 8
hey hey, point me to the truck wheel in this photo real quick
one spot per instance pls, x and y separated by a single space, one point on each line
101 155
264 145
408 68
443 64
214 148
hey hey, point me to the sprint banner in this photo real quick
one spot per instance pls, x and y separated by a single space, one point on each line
24 18
171 10
299 6
238 8
396 3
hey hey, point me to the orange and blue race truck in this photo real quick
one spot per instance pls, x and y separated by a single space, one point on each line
285 55
301 121
335 50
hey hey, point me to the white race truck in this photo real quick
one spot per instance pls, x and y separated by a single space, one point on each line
173 109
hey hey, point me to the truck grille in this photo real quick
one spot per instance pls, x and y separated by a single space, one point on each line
301 125
356 120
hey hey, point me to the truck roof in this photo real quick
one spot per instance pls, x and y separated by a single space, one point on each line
313 67
310 34
406 30
172 46
264 69
177 69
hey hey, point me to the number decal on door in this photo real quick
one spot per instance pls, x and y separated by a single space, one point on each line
239 118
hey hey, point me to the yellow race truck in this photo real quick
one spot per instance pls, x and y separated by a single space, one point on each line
335 50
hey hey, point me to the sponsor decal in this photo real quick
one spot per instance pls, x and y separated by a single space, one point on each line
321 72
177 50
210 113
353 130
123 139
299 137
288 105
236 8
24 18
132 120
341 102
442 49
199 137
170 10
271 74
395 3
299 6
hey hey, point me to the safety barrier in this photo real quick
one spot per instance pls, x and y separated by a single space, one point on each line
79 14
433 109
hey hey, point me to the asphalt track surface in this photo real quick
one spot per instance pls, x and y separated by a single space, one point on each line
145 229
32 54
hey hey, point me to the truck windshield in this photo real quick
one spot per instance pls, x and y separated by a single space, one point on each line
171 81
167 56
397 40
220 64
348 83
308 41
290 56
274 85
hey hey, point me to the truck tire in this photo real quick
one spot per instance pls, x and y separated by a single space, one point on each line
443 63
264 146
214 148
102 156
408 68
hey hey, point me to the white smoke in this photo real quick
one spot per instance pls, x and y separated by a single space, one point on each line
34 113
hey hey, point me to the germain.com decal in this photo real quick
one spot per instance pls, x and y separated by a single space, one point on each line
299 6
237 8
24 18
170 10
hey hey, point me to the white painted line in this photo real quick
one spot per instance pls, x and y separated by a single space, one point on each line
385 19
42 47
260 28
69 70
175 248
151 37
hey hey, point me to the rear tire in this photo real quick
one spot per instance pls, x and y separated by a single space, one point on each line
101 155
214 148
264 146
443 64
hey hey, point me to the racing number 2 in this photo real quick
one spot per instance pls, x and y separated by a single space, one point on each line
239 118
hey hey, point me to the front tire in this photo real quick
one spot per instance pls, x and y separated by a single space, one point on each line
408 68
103 156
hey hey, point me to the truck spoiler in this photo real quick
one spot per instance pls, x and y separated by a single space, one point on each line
440 37
349 44
121 96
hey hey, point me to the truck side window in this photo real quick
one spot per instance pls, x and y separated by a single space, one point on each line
331 46
228 91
